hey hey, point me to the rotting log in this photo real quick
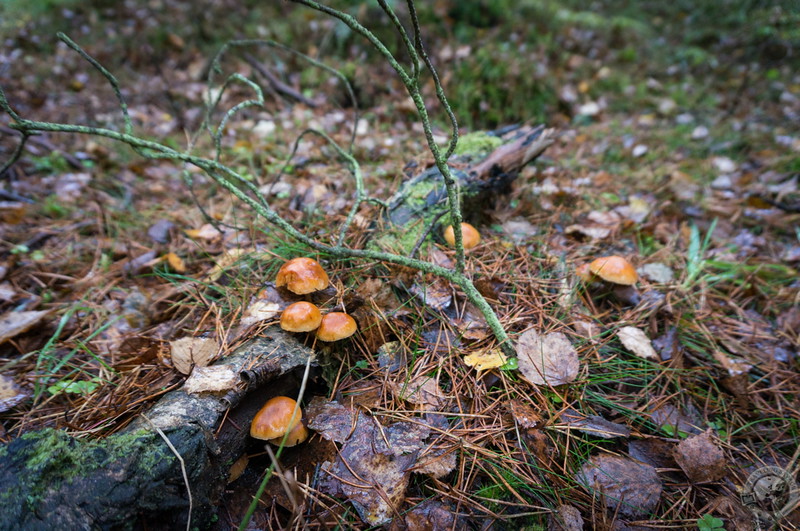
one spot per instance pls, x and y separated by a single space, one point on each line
484 170
50 480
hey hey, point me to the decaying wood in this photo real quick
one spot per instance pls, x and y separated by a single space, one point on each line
49 480
421 202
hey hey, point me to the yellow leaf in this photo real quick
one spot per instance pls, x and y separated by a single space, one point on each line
483 361
175 262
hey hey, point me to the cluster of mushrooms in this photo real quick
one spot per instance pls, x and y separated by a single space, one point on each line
303 276
281 414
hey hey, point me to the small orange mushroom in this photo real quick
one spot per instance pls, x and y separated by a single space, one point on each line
614 269
469 236
301 317
336 326
277 417
302 275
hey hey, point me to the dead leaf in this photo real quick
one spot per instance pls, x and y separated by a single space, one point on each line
568 518
374 463
431 514
14 323
421 390
189 352
10 393
631 487
259 310
211 379
437 294
206 232
175 262
593 424
548 359
637 342
701 458
485 360
524 414
436 464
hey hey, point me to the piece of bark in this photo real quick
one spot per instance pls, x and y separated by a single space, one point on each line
50 480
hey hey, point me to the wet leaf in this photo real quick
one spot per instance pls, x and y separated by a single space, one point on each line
374 463
567 518
437 294
593 425
14 323
637 342
701 458
547 359
421 390
631 487
189 352
10 393
431 514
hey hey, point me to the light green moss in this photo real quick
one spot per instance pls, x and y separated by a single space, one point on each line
478 144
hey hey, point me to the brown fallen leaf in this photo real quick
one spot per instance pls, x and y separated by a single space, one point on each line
421 390
593 425
701 458
14 323
568 518
10 393
626 485
547 359
374 463
431 514
189 352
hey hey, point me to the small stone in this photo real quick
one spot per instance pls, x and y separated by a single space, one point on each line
699 132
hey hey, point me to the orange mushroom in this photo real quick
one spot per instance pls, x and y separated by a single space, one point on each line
301 317
614 269
469 236
302 275
336 326
277 417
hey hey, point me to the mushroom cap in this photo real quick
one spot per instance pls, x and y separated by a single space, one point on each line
614 269
272 420
469 236
298 434
584 273
302 275
336 326
301 317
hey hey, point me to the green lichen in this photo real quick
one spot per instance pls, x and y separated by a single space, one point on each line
478 144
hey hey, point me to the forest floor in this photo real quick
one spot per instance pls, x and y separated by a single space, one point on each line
677 147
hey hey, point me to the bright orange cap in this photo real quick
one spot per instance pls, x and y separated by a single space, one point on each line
302 275
298 434
273 420
301 317
336 326
614 269
469 235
